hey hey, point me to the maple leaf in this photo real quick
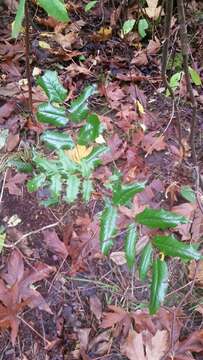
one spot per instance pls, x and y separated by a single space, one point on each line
16 293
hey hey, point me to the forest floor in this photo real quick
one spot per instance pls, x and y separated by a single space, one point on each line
91 304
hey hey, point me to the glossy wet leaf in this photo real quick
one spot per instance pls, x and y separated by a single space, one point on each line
49 166
57 140
130 245
16 27
72 190
49 114
90 131
170 246
55 8
21 166
142 27
96 153
67 164
195 77
51 85
188 194
145 261
160 219
128 26
123 193
36 182
87 188
159 285
79 107
55 186
90 5
107 228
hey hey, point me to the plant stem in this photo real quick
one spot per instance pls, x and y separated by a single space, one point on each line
184 48
27 57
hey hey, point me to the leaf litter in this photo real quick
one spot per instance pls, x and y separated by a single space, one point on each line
135 133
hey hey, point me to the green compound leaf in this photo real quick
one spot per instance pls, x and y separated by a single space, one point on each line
57 140
161 219
188 194
170 246
73 186
36 182
142 26
18 19
90 5
90 131
146 261
50 167
123 193
49 114
130 245
107 228
128 26
56 186
195 77
67 164
78 110
55 8
51 85
87 188
159 285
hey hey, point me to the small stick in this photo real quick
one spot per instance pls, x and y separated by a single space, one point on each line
27 57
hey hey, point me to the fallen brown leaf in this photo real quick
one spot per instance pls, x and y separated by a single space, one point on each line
54 244
96 307
14 183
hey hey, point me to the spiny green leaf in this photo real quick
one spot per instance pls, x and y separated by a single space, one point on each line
96 154
56 185
18 19
107 228
142 26
50 83
79 107
161 219
57 140
90 5
128 26
73 186
195 77
67 164
170 246
90 131
188 194
159 285
49 114
21 166
123 193
87 188
130 245
146 260
36 182
49 166
55 8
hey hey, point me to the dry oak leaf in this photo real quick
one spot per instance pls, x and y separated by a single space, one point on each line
16 291
152 143
145 346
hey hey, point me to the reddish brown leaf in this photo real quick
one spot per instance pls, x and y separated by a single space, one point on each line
12 142
151 142
54 244
117 149
14 183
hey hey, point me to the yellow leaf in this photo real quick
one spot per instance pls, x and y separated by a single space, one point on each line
105 33
79 152
44 45
140 108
